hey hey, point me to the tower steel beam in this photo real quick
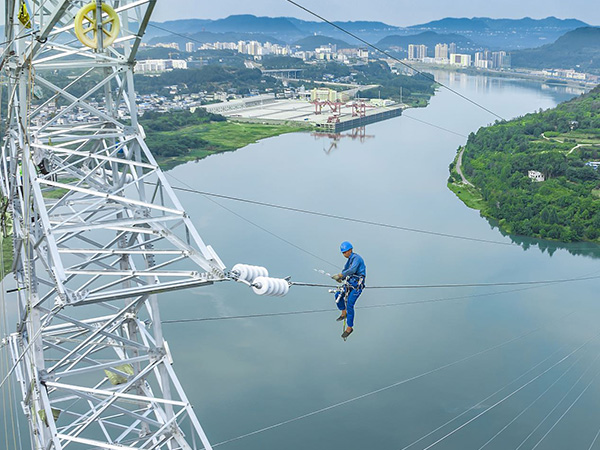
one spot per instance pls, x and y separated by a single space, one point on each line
98 232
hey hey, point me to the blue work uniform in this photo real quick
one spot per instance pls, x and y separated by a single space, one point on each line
355 272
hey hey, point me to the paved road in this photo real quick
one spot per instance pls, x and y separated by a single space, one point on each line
458 164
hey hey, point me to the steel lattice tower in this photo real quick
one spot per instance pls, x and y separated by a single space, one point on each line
98 233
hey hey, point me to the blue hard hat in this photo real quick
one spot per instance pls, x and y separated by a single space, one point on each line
345 246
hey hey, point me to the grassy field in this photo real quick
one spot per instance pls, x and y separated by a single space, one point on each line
469 195
571 139
223 137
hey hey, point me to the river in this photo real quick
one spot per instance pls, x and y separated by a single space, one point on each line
418 357
246 374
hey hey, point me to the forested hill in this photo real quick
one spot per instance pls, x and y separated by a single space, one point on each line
560 143
578 48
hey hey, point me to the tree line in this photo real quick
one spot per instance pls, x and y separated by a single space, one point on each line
564 206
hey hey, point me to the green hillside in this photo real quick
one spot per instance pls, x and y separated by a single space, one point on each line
578 49
558 143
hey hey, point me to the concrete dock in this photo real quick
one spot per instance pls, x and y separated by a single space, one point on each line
302 111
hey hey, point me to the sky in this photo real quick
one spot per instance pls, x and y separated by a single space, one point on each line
392 12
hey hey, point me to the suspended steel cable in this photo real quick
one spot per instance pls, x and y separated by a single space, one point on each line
376 391
328 310
338 217
424 74
594 440
343 218
523 411
435 126
570 406
551 411
384 305
260 227
489 408
458 285
482 402
176 34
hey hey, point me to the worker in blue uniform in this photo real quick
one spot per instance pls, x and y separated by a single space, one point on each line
353 276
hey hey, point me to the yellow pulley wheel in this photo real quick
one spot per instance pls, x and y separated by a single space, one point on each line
86 25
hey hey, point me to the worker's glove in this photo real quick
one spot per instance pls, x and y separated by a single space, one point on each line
338 277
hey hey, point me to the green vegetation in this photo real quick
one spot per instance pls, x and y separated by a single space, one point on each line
558 143
470 195
6 239
213 78
181 136
416 90
7 256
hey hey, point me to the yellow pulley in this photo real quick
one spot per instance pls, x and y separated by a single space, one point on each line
86 25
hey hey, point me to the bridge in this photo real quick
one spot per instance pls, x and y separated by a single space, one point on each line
292 74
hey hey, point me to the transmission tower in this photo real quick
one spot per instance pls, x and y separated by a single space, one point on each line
97 232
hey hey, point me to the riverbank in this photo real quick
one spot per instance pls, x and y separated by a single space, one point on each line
463 188
537 175
518 73
216 137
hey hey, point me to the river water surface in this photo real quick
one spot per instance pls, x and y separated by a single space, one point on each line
467 343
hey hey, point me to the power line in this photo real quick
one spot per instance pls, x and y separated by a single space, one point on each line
329 310
564 358
554 409
570 406
435 126
523 411
424 74
482 402
176 34
376 391
459 285
338 217
260 227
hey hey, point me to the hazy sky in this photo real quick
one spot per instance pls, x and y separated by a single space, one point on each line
393 12
398 12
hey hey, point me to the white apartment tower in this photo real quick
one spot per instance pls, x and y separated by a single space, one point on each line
441 51
417 52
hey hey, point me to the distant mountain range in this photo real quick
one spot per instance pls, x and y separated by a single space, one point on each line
578 49
506 34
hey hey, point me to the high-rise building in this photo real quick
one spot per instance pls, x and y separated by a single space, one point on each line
460 59
452 48
500 60
441 51
254 48
417 52
189 47
481 61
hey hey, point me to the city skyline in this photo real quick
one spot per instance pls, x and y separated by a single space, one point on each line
401 13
